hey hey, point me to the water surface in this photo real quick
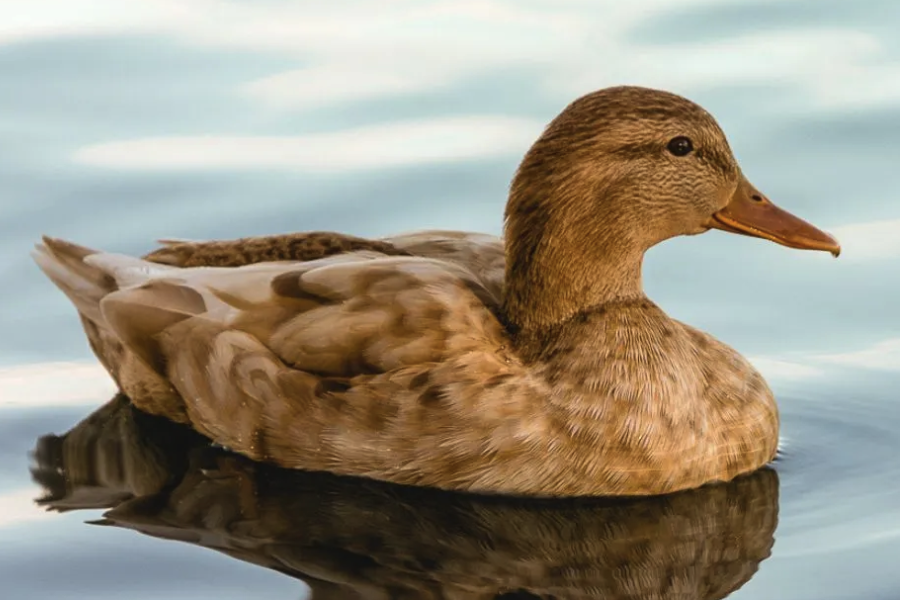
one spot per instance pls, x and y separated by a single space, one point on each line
223 119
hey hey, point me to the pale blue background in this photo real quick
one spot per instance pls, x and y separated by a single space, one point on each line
91 93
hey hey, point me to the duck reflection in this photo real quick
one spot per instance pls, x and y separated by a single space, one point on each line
352 538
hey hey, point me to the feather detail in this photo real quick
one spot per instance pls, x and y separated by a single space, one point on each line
64 264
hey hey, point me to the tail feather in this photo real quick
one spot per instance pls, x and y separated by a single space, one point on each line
85 285
127 271
86 276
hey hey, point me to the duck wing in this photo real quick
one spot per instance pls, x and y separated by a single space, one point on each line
357 363
482 254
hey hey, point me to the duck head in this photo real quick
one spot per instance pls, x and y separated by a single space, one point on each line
617 172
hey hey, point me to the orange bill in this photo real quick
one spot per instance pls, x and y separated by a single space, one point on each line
751 213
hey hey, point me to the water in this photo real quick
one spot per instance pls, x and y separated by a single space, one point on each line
119 126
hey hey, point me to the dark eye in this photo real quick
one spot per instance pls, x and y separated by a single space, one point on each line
680 146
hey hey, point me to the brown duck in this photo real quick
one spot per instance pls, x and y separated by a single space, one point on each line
531 365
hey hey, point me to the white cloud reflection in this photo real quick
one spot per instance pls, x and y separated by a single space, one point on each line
54 384
883 356
869 241
784 370
323 85
17 507
398 143
37 20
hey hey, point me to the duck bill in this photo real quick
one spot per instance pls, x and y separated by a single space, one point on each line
751 213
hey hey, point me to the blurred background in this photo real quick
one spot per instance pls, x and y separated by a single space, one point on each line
122 123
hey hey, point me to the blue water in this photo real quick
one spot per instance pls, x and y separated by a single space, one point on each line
118 127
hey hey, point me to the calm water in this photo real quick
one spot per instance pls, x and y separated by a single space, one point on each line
120 125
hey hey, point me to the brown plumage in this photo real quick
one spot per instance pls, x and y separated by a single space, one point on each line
248 251
353 538
531 365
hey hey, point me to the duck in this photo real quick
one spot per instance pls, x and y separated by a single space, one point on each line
527 364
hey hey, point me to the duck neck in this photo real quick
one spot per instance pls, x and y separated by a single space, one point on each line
557 270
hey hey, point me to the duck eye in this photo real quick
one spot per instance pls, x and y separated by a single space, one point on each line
680 146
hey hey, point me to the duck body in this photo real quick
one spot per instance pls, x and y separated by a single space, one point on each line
448 359
397 368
